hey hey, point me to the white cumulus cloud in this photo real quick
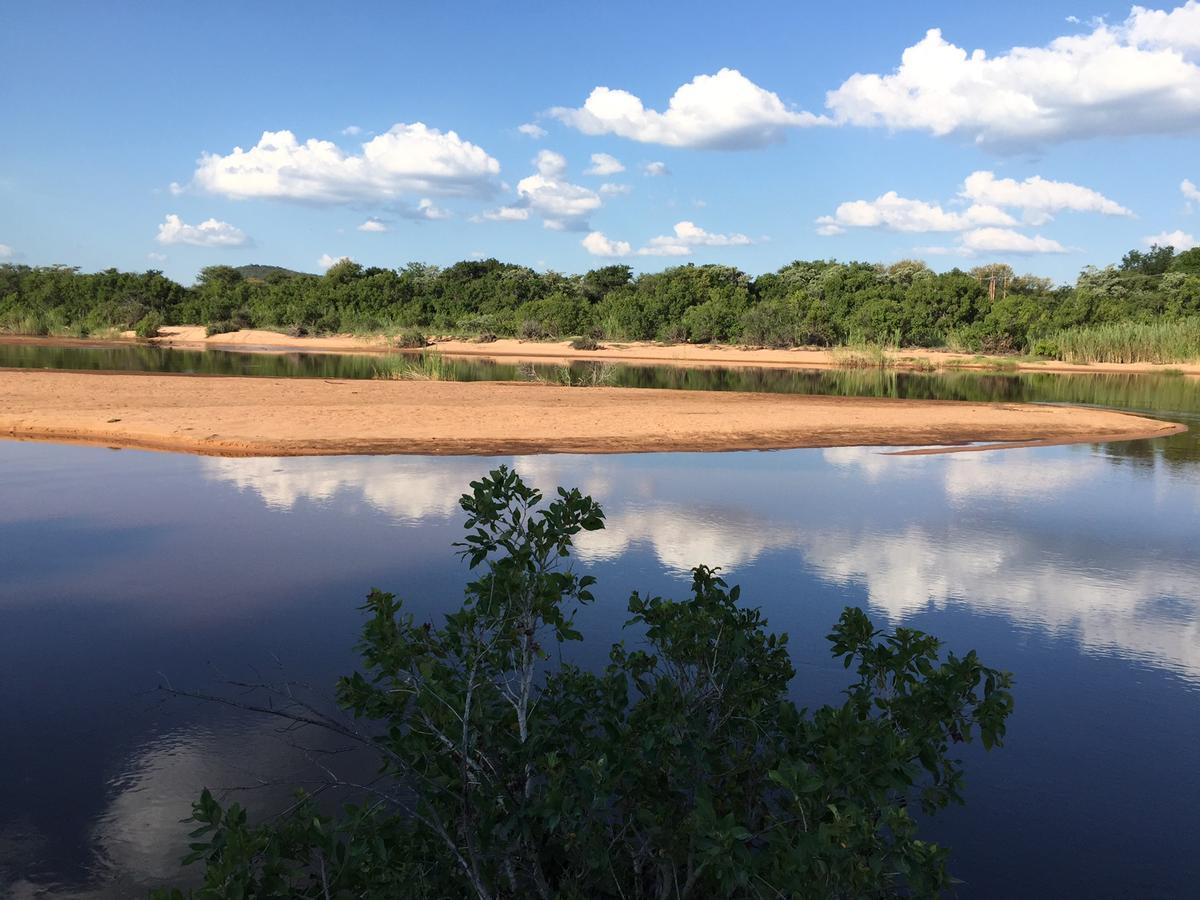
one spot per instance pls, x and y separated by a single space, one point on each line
1189 190
1178 239
505 214
611 188
687 236
209 233
427 209
326 260
7 252
1038 197
604 164
1137 77
725 111
529 129
374 225
1178 29
655 169
561 204
407 159
1005 240
598 245
892 212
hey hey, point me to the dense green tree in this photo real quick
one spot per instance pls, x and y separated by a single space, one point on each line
1187 262
1154 261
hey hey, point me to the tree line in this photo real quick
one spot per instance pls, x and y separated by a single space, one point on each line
816 302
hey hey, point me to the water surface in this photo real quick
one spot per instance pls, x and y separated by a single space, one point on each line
1074 567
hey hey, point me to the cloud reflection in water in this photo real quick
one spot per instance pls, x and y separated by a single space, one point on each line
1042 537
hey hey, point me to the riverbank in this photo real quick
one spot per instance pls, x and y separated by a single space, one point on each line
655 354
222 416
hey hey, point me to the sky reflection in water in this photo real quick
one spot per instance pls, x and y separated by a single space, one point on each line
1074 567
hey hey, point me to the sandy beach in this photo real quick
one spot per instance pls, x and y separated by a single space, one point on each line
223 416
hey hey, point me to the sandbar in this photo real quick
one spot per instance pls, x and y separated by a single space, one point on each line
238 416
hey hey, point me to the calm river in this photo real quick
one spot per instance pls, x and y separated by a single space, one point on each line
1077 568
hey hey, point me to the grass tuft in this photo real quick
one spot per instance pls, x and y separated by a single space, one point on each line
860 356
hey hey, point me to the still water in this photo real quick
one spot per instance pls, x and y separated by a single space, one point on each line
1076 568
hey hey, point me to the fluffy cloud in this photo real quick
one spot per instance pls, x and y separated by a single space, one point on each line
562 205
598 245
1037 196
1178 239
352 131
531 130
655 169
725 111
604 164
550 164
1005 240
326 260
156 257
892 212
209 233
374 225
610 188
407 159
1189 190
427 209
506 214
1138 77
985 224
7 252
1178 29
687 236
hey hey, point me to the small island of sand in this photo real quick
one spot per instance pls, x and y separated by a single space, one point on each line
222 416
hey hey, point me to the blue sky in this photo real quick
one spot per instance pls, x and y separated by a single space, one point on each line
799 131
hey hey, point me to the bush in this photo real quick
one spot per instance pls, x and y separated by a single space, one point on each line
223 327
149 325
1047 347
585 343
533 330
296 331
410 339
772 323
683 769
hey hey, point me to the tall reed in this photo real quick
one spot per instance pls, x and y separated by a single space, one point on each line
1128 342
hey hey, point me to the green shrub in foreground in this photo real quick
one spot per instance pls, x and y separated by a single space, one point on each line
682 770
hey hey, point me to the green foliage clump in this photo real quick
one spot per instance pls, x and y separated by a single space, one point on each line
425 367
409 339
149 325
585 343
681 770
225 326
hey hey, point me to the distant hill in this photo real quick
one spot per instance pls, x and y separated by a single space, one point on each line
256 272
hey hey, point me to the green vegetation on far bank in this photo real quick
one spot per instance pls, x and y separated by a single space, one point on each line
1145 309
